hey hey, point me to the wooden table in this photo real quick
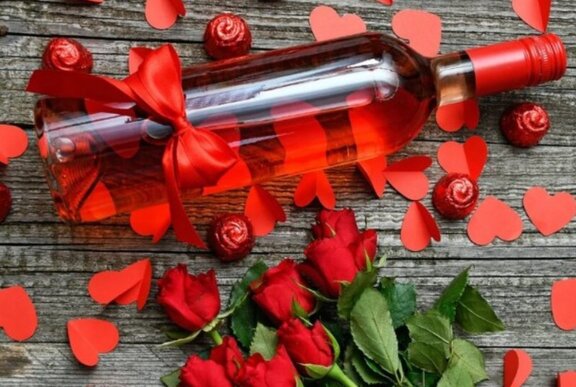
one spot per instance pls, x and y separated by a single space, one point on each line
54 260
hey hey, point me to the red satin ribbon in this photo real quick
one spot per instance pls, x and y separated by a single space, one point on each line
193 158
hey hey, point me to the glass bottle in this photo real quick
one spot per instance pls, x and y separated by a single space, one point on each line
285 112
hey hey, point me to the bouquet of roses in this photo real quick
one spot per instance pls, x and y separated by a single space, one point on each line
326 321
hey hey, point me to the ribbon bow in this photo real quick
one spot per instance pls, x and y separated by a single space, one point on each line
193 158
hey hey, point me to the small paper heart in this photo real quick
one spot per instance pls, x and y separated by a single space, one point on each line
422 29
517 368
90 337
418 228
563 303
98 204
452 117
494 219
407 176
263 210
18 315
567 379
549 213
132 284
151 221
136 57
14 143
162 14
373 171
468 158
327 24
386 2
315 185
535 13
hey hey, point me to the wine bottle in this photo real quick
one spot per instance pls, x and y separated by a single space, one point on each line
285 112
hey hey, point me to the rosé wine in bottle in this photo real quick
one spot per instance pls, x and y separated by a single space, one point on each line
285 112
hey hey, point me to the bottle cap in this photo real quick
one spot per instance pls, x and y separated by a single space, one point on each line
517 64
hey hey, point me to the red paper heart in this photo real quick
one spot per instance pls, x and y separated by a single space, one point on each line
494 218
563 303
136 57
14 142
535 13
263 210
567 379
162 14
98 205
154 221
315 185
407 176
386 2
373 171
327 24
452 117
468 158
549 213
418 227
90 337
17 313
132 284
422 29
517 368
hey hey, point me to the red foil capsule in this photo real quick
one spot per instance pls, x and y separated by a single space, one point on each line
227 36
67 55
524 125
5 201
231 237
455 196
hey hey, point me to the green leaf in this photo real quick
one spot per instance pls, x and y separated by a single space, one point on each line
422 378
334 342
264 342
361 367
401 300
475 315
298 311
433 329
316 371
455 377
349 369
466 356
448 300
240 289
243 322
372 330
172 379
427 357
351 293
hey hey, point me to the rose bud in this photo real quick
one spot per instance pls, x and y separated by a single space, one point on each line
228 354
198 372
306 345
336 224
227 36
191 302
67 55
279 289
524 125
455 196
231 237
277 372
5 201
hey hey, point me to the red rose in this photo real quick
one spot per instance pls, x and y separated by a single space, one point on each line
277 372
228 355
191 302
304 345
277 290
336 224
198 372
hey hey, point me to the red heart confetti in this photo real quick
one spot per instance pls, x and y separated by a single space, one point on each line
386 2
154 221
90 337
263 210
418 227
517 368
567 379
373 171
136 57
535 13
468 158
407 176
162 14
14 142
327 24
452 117
494 218
315 185
422 29
132 284
18 317
563 303
549 213
98 205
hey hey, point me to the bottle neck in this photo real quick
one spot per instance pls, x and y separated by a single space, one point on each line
499 67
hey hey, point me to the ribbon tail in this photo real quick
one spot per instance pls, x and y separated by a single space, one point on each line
185 231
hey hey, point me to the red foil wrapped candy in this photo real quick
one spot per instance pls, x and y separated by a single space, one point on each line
227 36
231 237
67 55
525 124
455 196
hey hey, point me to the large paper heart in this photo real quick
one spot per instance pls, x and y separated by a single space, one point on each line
407 176
535 13
452 117
567 379
315 185
517 368
326 24
563 303
468 158
151 221
494 219
17 313
13 144
418 228
422 29
373 171
549 213
162 14
90 337
132 284
263 210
